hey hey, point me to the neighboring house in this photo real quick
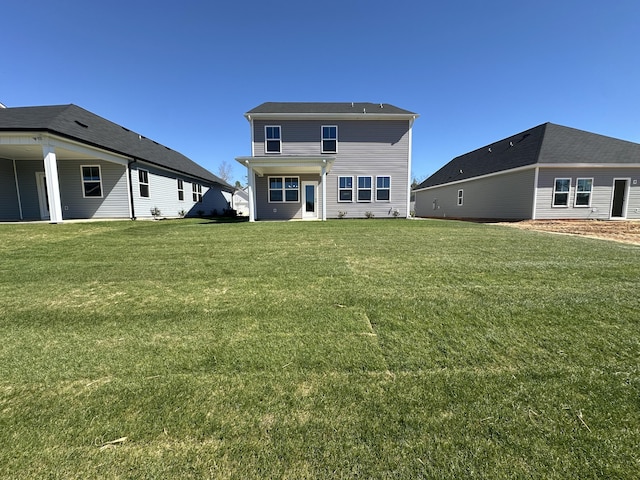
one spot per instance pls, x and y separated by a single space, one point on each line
241 201
328 160
547 172
62 162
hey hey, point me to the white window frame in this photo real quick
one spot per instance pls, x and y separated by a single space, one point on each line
267 139
196 192
364 189
388 189
461 197
553 194
84 182
345 189
141 183
283 189
180 190
577 191
329 139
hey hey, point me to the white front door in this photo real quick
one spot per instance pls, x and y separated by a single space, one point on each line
43 197
309 200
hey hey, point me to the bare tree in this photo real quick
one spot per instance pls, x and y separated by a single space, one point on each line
224 171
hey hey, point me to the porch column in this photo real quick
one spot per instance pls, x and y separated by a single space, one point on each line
324 192
252 193
53 185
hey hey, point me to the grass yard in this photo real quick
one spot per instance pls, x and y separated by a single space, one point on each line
340 349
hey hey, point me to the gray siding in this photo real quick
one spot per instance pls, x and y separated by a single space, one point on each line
601 196
365 148
266 210
505 196
163 194
9 208
28 189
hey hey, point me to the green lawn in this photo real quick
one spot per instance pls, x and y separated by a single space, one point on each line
339 349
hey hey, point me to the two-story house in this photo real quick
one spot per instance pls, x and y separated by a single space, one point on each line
328 160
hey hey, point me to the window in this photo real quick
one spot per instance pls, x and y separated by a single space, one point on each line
345 189
383 189
329 139
91 181
460 197
364 189
272 139
583 192
284 189
196 192
143 181
180 190
561 192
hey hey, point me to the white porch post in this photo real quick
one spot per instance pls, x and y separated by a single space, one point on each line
252 193
324 192
53 185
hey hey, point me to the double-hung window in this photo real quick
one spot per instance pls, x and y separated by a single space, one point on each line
196 192
143 182
180 189
91 181
329 139
345 189
561 189
584 186
273 139
284 189
460 197
364 189
383 189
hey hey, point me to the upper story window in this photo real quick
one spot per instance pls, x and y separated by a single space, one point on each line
284 189
561 189
460 197
345 189
143 181
91 181
180 189
584 186
329 139
196 192
273 139
383 189
364 189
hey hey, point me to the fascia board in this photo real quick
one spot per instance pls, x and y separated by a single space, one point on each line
330 116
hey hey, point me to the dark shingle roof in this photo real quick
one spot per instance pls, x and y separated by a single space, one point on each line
328 108
544 144
76 123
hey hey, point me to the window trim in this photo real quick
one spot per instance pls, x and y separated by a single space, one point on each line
180 190
196 192
284 188
460 201
267 140
328 139
553 194
84 182
364 189
142 183
590 192
388 189
341 189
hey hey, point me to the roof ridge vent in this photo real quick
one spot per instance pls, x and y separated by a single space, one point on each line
364 110
83 125
489 149
351 104
381 106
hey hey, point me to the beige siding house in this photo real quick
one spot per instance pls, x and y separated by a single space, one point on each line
328 160
547 172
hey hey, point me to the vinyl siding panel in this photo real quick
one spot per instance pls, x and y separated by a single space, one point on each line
26 170
266 210
365 148
601 196
505 196
9 208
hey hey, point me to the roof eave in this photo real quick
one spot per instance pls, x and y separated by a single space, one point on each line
330 116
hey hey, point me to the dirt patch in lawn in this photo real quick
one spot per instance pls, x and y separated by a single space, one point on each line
619 231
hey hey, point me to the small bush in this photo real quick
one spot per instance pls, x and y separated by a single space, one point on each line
342 214
369 214
155 212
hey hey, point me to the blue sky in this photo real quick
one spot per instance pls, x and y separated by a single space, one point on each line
183 73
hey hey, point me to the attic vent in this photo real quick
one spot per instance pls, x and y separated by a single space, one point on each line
381 106
511 144
351 104
125 129
364 110
489 149
82 124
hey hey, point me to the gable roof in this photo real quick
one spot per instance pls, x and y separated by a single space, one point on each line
545 144
76 123
328 108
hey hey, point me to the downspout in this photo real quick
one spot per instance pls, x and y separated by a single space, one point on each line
132 208
15 176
